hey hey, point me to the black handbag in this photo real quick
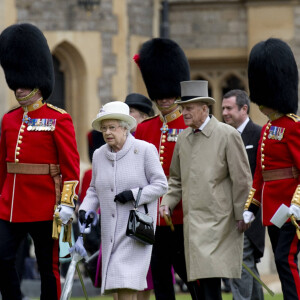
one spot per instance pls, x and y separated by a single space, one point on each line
140 225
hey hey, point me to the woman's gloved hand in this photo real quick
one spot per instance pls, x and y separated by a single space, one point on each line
82 219
124 197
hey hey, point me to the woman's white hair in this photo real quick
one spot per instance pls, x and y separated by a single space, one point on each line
124 124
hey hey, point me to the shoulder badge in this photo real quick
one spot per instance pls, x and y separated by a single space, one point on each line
150 118
294 117
56 108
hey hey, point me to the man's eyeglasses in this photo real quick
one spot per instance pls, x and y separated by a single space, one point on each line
111 128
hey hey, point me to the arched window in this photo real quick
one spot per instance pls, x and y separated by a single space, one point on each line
57 97
232 82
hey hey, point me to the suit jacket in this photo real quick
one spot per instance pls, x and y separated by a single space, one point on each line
256 232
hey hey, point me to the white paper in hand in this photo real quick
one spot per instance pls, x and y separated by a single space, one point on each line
281 215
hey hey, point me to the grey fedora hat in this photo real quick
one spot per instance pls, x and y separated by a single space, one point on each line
195 91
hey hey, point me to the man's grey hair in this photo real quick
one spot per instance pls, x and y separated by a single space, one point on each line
241 98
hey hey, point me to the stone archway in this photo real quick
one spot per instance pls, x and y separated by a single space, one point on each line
73 67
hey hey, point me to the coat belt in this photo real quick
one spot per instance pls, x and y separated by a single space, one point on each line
38 169
277 174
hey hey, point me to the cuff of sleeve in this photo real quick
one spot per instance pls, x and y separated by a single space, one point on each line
296 196
251 202
68 194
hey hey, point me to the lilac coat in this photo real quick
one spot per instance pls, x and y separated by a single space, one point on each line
125 261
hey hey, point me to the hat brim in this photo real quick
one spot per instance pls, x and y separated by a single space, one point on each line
114 116
208 100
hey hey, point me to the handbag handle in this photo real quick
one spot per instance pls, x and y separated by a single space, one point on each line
138 199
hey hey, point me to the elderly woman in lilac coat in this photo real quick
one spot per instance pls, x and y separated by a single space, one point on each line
120 168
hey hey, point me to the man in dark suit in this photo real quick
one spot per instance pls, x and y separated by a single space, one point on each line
235 111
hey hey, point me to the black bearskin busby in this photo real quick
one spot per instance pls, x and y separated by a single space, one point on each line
163 65
26 59
140 102
273 76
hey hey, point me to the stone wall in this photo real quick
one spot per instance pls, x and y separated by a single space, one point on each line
57 15
198 25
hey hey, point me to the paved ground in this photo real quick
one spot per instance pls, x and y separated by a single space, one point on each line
31 288
272 281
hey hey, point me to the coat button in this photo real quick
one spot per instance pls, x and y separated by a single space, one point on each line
112 190
113 215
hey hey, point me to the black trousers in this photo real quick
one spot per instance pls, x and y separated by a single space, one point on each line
46 250
286 246
210 289
168 251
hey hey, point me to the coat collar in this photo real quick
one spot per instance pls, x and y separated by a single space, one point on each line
118 155
247 132
171 116
207 130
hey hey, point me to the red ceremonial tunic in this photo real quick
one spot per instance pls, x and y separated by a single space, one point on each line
151 130
279 147
85 184
49 140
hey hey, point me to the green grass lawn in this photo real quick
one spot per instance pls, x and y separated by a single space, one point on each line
188 297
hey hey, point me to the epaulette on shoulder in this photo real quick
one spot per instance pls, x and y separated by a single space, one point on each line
294 117
13 109
56 108
150 118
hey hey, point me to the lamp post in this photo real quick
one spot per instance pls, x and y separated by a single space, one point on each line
88 5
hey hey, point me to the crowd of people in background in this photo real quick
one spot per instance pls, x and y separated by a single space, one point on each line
211 187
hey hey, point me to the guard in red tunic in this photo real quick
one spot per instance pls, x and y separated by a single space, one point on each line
39 161
163 65
273 83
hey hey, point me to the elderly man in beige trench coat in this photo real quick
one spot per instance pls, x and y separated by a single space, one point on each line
211 173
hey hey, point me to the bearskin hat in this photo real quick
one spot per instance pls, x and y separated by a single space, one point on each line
163 65
140 102
26 59
273 76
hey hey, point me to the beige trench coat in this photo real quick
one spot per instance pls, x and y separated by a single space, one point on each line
210 170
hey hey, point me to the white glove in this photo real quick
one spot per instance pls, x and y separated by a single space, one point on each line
65 213
248 216
295 210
